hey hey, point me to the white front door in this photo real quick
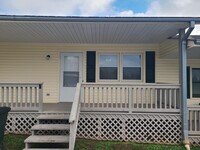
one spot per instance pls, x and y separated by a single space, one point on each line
70 75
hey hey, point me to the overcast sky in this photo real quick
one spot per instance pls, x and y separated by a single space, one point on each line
187 8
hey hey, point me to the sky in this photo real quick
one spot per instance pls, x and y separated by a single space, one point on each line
101 7
120 8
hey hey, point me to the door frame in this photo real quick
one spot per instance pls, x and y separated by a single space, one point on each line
61 67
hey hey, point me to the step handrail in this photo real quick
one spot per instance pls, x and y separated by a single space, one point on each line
74 116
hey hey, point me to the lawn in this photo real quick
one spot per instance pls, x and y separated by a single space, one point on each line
16 142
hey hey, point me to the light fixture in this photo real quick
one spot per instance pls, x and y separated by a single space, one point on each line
48 57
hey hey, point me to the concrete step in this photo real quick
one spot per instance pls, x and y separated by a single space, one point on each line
45 149
51 127
53 117
47 139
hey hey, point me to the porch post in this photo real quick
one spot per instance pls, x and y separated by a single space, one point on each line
182 81
183 78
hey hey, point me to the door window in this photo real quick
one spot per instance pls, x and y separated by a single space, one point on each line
71 71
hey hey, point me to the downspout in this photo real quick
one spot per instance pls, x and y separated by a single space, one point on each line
182 80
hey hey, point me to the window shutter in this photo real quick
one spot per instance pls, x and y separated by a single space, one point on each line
91 66
150 67
188 82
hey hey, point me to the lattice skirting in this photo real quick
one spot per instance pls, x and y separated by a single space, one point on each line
21 122
143 128
194 140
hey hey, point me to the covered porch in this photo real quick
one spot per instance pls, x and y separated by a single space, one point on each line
149 106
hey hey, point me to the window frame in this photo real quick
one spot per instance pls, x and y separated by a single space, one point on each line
118 68
141 65
191 83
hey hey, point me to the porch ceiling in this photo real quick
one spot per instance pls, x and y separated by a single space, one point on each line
88 32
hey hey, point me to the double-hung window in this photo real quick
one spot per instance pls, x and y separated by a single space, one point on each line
196 82
131 67
108 66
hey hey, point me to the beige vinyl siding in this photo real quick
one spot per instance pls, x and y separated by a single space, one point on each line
26 63
168 48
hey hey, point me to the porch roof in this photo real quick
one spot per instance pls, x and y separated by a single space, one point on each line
94 30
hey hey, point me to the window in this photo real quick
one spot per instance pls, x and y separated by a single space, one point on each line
108 66
196 82
71 71
131 66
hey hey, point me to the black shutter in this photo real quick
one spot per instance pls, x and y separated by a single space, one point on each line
150 67
91 66
188 82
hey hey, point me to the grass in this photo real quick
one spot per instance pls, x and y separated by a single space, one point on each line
16 142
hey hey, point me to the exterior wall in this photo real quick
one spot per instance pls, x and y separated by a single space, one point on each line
26 63
168 48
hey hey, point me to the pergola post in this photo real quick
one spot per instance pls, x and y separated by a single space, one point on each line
183 78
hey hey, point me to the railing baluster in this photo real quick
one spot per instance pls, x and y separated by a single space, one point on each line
130 99
174 98
111 96
93 92
26 96
165 90
98 97
160 99
156 98
116 101
2 97
151 90
198 120
21 96
107 96
195 120
35 97
89 97
136 96
7 96
170 98
12 97
120 97
191 118
141 90
31 93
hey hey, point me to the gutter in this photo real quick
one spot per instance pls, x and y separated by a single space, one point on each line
97 19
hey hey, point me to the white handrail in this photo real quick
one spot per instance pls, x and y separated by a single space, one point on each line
75 105
74 116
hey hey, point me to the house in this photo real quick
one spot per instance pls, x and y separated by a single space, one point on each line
116 78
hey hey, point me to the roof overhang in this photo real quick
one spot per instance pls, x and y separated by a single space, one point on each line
94 30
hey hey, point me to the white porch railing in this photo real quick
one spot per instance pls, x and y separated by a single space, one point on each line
21 96
74 116
130 98
194 120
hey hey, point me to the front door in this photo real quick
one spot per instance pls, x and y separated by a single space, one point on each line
70 75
